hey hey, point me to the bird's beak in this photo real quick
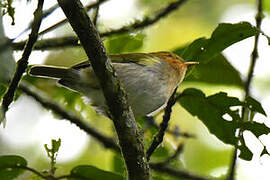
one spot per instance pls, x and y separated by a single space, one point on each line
191 63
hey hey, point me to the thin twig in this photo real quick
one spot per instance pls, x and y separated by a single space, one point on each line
50 43
95 18
45 14
130 139
163 126
23 62
47 103
73 41
175 132
8 42
49 11
148 20
29 169
87 8
254 57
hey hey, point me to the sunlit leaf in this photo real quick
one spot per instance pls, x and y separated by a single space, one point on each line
212 72
9 166
93 173
226 34
210 111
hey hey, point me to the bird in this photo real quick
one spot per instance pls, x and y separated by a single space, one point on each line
149 79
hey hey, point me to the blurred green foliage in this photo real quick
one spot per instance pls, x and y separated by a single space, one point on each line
124 43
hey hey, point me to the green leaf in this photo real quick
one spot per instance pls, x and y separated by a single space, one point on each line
194 50
245 153
210 111
203 50
124 43
9 166
56 145
213 73
256 128
52 152
254 105
92 173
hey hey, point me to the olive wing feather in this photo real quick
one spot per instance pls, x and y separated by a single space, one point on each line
143 59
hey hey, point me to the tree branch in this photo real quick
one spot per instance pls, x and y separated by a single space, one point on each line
49 104
45 14
50 43
163 126
125 125
30 169
8 42
23 62
95 18
150 121
254 57
73 41
62 22
147 21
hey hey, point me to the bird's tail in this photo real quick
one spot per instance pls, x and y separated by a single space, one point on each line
51 71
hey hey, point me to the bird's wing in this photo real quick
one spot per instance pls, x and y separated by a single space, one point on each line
81 65
143 59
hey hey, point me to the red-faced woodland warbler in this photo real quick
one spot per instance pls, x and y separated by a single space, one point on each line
148 78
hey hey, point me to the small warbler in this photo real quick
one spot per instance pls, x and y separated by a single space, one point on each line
148 78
